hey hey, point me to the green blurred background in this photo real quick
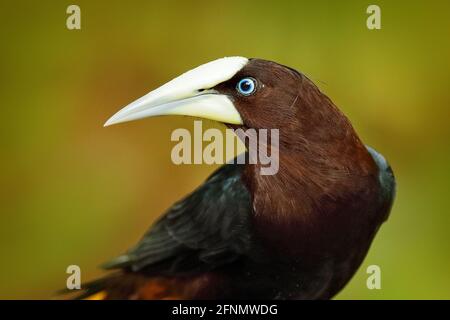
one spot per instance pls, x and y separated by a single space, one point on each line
73 192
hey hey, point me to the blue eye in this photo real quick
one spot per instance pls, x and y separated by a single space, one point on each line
246 86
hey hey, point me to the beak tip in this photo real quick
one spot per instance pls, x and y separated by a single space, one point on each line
119 117
108 123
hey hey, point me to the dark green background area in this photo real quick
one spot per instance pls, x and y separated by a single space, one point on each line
73 192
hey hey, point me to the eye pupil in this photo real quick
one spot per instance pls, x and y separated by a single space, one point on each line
246 86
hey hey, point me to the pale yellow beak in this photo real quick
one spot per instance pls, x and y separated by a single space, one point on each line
190 94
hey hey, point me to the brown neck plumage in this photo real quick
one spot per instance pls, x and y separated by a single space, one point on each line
323 170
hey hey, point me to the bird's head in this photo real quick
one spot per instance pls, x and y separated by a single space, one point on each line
319 152
247 93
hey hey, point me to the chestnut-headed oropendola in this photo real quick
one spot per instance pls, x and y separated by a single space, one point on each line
298 234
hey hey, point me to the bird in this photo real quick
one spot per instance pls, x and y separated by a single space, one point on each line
301 233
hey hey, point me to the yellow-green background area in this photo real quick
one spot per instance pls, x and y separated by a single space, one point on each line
73 192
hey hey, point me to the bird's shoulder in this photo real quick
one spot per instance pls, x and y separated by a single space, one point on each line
386 177
206 229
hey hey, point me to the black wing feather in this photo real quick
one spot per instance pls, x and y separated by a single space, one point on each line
206 229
